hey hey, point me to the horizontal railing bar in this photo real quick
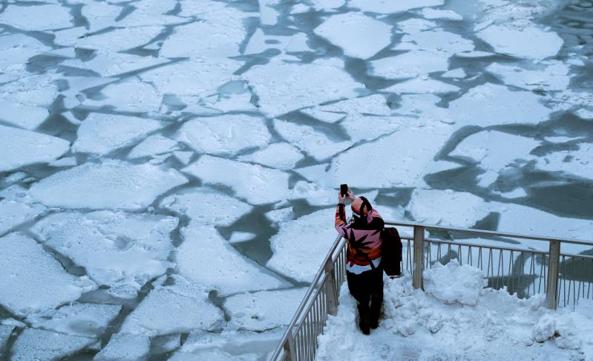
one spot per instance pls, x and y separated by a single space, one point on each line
488 233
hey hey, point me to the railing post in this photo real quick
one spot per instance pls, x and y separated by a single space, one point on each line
553 268
332 295
418 257
288 349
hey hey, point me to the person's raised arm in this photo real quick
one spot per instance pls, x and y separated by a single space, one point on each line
341 215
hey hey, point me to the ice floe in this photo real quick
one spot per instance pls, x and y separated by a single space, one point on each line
109 64
282 155
410 64
213 355
119 250
36 18
531 42
117 39
392 7
301 245
240 237
153 146
14 212
438 14
32 280
41 345
375 104
457 73
491 104
207 206
103 133
110 184
224 135
16 49
125 347
100 15
358 35
22 115
208 259
553 76
180 307
5 332
252 182
434 41
263 310
422 86
81 319
569 162
131 95
284 87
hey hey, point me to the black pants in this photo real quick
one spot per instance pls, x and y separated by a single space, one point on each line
367 289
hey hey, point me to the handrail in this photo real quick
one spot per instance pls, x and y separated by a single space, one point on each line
299 341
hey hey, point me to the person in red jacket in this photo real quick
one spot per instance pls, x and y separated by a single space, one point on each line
363 261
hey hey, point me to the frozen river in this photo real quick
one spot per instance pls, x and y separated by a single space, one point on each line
168 168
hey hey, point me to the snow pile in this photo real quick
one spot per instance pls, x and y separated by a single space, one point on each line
457 319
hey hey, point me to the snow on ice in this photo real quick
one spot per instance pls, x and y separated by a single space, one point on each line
32 280
531 42
41 345
22 115
152 146
119 250
410 64
551 75
569 162
14 212
110 184
125 347
36 18
269 156
392 7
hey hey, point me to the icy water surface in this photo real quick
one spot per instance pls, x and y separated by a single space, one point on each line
168 169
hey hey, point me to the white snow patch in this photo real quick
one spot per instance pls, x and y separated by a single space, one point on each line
111 184
392 7
240 237
437 41
283 156
125 347
32 280
41 345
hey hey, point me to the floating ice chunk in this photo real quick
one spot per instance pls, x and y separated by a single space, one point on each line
109 64
514 194
456 73
399 159
240 237
267 14
213 355
474 54
263 310
147 13
298 43
558 139
233 341
152 146
41 345
411 64
392 7
584 113
358 35
125 347
32 280
283 87
361 127
301 245
423 108
314 194
65 162
120 250
530 42
183 156
422 86
283 156
15 212
369 105
207 206
81 319
180 307
100 15
435 40
280 215
322 115
21 115
118 39
103 133
491 104
5 332
224 135
306 138
207 258
447 208
454 283
39 17
252 182
19 147
131 94
16 49
569 162
110 184
553 76
433 14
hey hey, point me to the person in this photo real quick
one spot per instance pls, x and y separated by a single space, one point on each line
364 274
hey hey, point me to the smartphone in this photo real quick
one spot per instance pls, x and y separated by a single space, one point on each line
344 189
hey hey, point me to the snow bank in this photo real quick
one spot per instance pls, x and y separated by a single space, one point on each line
32 280
454 283
110 184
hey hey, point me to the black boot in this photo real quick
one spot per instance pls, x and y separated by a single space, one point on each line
364 319
375 310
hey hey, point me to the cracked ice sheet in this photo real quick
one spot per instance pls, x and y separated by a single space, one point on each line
569 162
36 18
180 307
434 40
493 151
131 94
550 76
204 257
224 135
436 14
16 49
529 41
20 147
415 148
31 90
32 280
116 40
265 310
307 139
282 156
213 355
207 206
422 86
110 184
22 115
80 319
252 182
125 347
411 64
104 133
100 15
14 212
300 245
491 104
41 345
108 64
392 7
284 87
119 250
153 146
358 35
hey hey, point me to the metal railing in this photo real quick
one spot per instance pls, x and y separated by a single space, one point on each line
524 271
